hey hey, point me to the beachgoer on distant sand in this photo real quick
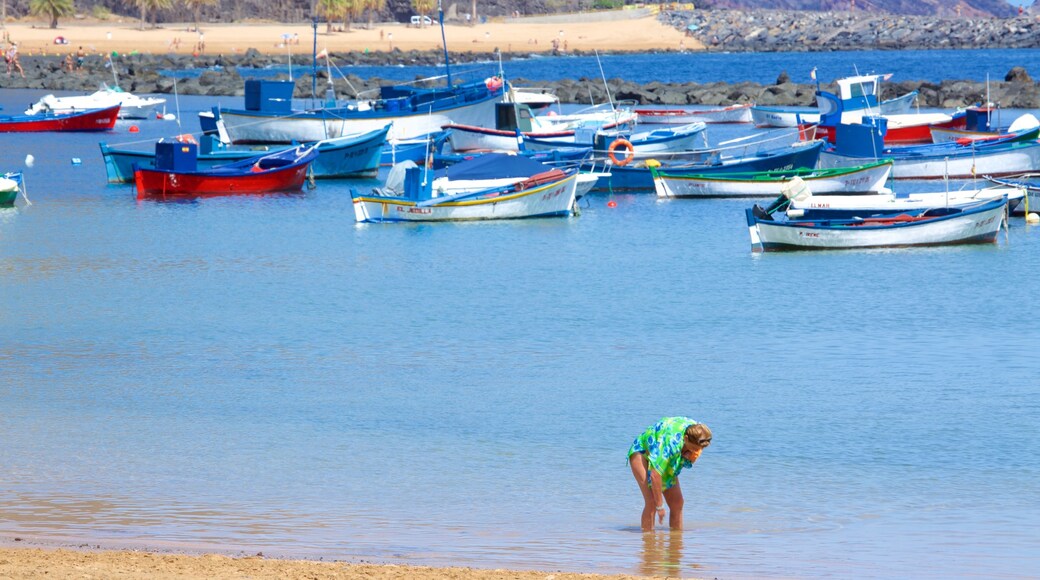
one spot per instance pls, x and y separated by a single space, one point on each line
656 457
80 55
12 60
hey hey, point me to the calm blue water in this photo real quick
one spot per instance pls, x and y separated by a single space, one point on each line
698 67
262 374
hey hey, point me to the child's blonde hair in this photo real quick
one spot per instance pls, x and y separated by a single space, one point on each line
697 433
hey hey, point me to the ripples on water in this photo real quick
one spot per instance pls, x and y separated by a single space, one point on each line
707 67
260 373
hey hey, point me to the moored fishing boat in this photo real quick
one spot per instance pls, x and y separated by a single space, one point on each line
867 178
548 130
623 143
730 114
130 106
489 187
636 176
978 223
799 200
176 173
268 116
978 129
902 128
10 187
1006 155
92 120
347 156
535 97
856 93
1028 181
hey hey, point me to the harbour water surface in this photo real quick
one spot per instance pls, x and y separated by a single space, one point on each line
262 374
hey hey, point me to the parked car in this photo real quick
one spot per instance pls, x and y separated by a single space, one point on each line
418 21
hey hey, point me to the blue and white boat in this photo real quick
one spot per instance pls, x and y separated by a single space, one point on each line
669 140
269 117
516 126
858 93
975 224
347 156
858 143
490 187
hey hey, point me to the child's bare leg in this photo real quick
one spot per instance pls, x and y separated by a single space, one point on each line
639 470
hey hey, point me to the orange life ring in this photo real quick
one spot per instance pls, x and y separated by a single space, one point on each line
621 144
186 138
493 83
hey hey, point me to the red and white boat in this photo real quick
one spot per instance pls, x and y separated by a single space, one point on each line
91 120
902 129
731 114
176 175
909 129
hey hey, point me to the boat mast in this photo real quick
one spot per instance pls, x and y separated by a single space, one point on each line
314 59
444 41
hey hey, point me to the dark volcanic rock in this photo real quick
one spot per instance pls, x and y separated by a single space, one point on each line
1018 75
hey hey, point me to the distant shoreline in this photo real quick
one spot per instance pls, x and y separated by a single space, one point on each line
641 34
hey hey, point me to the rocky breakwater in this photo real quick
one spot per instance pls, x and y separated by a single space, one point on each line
215 75
1017 91
781 31
223 76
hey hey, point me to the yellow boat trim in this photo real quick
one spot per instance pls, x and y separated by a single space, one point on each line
500 198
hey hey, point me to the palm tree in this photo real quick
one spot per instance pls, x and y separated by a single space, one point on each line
153 6
374 6
331 9
196 8
422 8
353 9
52 8
473 14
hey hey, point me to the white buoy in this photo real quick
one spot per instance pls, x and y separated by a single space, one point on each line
30 160
169 117
76 161
1032 218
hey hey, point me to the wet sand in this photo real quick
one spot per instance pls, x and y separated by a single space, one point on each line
509 35
35 563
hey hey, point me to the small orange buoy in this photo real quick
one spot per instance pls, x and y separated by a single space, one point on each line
611 203
134 129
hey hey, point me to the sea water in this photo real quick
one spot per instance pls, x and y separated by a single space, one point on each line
261 374
934 66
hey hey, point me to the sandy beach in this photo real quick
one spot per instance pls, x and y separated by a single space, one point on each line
510 35
34 563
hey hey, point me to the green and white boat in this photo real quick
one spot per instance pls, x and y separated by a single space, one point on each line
868 178
10 187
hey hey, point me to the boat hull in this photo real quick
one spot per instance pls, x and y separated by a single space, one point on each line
629 178
160 184
551 200
968 227
790 117
998 160
908 133
352 156
306 126
850 206
95 120
731 114
866 180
